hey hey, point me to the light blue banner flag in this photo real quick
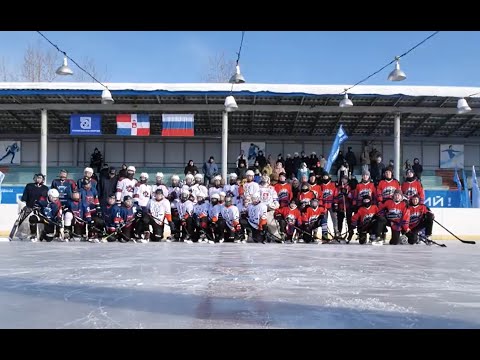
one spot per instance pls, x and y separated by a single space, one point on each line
466 196
475 190
339 139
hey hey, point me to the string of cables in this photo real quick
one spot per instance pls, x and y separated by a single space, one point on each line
396 75
65 70
237 78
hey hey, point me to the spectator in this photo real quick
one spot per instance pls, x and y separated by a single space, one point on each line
270 161
289 166
313 159
351 159
262 161
267 170
190 168
241 157
365 159
241 169
323 162
210 169
303 171
122 174
376 170
96 160
304 158
297 162
279 168
281 159
417 168
107 186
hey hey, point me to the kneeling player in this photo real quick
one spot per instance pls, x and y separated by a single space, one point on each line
289 218
368 221
421 217
231 217
48 213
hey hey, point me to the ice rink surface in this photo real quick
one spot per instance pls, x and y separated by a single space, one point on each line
176 285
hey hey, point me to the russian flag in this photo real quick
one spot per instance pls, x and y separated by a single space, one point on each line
133 125
177 125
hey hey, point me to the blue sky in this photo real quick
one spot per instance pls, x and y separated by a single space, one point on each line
449 58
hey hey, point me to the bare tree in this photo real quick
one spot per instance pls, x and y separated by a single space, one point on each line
6 72
220 70
40 64
89 65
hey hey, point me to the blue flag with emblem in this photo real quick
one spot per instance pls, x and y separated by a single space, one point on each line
339 139
475 190
85 124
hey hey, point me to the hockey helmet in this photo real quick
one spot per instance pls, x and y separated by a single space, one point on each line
53 193
144 175
228 200
314 202
131 168
249 173
88 170
160 175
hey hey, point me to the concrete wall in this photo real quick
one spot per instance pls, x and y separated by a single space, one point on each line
461 222
157 151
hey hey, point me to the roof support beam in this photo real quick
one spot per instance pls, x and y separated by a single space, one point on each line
419 125
441 123
462 125
370 131
19 119
357 124
243 107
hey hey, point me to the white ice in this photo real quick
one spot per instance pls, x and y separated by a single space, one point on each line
171 285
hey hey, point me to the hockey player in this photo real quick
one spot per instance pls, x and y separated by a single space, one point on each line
200 217
174 192
111 211
312 219
64 186
130 216
250 187
412 186
49 213
397 215
91 205
36 191
387 186
364 188
268 196
142 192
305 196
198 187
329 193
231 218
284 190
367 220
257 219
231 189
421 217
343 206
217 187
215 215
316 188
74 214
160 214
189 182
159 185
289 218
87 174
126 186
184 225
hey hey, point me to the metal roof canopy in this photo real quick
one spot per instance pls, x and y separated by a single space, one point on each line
264 109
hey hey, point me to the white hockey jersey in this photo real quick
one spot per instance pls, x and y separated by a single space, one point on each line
256 213
250 188
231 216
125 187
214 190
142 193
198 188
215 211
201 210
159 209
234 190
174 194
269 197
163 187
185 209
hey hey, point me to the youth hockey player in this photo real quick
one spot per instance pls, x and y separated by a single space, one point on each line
397 215
387 186
412 186
36 191
312 219
231 188
421 217
49 213
343 206
288 218
159 185
367 220
329 193
200 217
87 174
284 190
64 186
231 219
257 219
160 214
126 186
184 225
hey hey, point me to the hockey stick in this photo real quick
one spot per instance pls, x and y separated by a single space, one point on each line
21 218
463 241
428 242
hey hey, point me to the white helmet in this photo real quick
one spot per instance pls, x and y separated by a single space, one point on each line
131 168
233 176
222 194
175 177
249 173
217 177
201 194
215 196
53 193
88 169
144 174
198 176
189 176
160 175
256 197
